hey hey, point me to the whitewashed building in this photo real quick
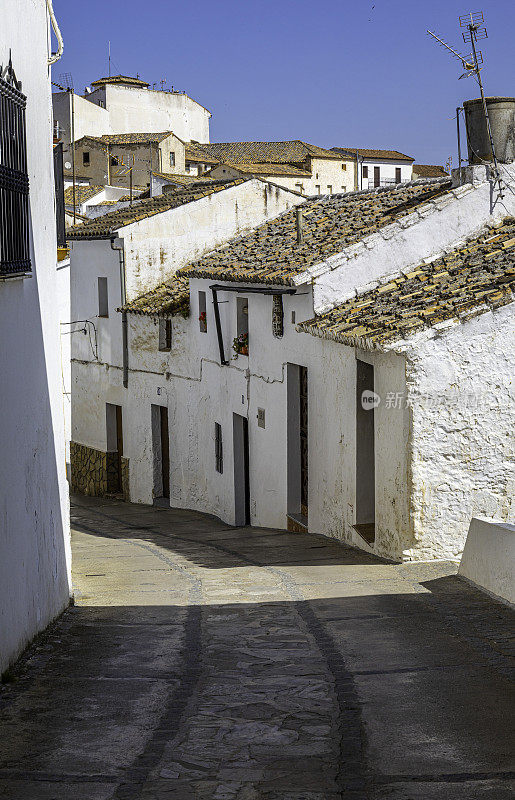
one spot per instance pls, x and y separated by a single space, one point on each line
374 168
34 526
302 167
121 105
240 402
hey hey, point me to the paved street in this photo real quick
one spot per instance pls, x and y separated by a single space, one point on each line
202 661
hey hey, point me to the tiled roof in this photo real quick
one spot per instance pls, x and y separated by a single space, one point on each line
388 155
429 171
131 138
281 170
120 79
171 297
103 227
195 153
476 277
293 152
270 253
82 193
184 180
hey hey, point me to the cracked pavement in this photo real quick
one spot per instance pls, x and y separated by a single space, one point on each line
204 661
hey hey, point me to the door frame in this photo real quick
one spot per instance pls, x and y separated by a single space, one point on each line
241 470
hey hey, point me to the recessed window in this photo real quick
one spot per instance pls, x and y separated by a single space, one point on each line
114 161
317 189
329 189
85 158
219 452
202 312
241 342
187 168
165 334
364 172
103 301
344 188
172 159
344 166
299 187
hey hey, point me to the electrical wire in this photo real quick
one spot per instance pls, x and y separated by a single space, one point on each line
60 44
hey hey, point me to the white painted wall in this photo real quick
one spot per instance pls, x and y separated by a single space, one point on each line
461 386
156 247
34 521
327 177
488 559
90 119
387 172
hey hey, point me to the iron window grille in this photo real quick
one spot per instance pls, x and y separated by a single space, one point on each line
14 179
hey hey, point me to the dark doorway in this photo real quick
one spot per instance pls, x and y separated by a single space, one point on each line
241 470
297 447
160 454
303 395
365 451
377 176
114 428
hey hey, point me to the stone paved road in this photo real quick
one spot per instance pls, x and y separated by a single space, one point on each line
203 661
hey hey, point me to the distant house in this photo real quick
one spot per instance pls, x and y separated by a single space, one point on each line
305 168
379 167
428 171
107 159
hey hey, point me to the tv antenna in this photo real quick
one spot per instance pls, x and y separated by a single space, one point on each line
66 79
473 23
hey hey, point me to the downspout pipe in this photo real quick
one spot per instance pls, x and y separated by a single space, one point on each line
117 244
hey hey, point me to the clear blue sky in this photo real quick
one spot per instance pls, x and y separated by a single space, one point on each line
359 73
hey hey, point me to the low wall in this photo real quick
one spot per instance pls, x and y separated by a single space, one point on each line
488 559
95 473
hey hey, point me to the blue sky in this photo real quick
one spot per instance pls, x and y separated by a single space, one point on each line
345 73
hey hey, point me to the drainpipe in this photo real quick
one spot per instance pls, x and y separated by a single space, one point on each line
117 244
358 176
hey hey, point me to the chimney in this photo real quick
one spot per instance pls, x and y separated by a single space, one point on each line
300 225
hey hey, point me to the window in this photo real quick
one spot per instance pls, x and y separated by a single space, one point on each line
364 171
165 334
344 166
344 188
397 174
240 343
85 158
114 161
101 104
103 304
187 168
172 159
277 315
14 181
299 187
219 452
202 312
317 189
329 189
377 176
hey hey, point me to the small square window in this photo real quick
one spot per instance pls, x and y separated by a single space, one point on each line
85 158
165 334
114 161
202 312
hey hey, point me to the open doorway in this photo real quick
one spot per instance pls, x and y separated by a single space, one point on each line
241 470
160 455
365 451
114 431
297 434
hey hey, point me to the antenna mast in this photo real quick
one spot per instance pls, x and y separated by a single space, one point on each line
475 30
109 56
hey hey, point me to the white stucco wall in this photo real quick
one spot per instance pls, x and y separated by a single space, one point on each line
387 172
488 559
156 247
327 177
90 119
461 387
34 521
131 109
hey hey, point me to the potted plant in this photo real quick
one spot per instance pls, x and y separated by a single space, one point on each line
240 344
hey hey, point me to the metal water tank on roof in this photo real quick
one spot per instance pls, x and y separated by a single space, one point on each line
501 112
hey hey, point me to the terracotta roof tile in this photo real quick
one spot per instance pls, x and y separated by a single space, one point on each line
292 152
270 253
171 297
388 155
478 276
82 194
429 171
117 79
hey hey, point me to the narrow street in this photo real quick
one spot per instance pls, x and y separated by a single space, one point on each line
202 661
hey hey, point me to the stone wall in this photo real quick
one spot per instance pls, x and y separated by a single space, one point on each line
89 470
